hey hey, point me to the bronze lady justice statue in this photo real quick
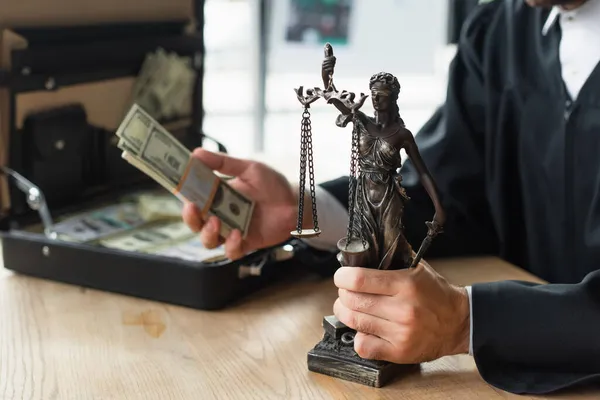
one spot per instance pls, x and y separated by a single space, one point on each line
375 236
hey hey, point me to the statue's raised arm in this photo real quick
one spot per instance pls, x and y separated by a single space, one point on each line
329 90
328 67
343 101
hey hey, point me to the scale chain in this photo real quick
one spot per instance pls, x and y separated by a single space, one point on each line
311 170
357 195
305 122
352 186
359 186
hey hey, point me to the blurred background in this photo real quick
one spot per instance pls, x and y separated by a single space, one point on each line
83 63
258 51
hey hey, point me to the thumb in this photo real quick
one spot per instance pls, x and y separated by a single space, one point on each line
222 163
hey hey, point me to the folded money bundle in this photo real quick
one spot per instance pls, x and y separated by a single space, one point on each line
191 250
149 147
99 223
164 86
150 237
157 207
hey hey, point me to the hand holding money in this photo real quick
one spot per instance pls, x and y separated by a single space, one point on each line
150 148
275 210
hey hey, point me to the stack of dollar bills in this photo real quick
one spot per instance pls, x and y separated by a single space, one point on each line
149 147
145 222
164 86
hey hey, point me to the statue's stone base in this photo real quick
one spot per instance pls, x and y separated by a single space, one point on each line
334 356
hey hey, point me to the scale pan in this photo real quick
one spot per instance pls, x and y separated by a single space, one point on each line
305 233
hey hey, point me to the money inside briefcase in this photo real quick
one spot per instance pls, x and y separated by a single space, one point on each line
73 209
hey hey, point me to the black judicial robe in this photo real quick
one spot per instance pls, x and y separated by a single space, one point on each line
518 166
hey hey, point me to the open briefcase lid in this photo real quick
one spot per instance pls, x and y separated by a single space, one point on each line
90 12
53 72
104 100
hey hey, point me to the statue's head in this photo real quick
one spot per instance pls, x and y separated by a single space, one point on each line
384 92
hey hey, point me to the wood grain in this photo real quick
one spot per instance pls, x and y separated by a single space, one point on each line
64 342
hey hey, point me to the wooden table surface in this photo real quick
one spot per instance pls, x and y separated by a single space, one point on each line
65 342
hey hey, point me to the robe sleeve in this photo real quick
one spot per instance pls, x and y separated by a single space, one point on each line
527 338
536 339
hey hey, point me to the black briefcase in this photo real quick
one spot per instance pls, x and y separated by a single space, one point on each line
65 86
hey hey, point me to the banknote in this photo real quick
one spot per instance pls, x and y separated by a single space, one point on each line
167 77
127 156
201 186
149 237
144 76
134 130
99 223
165 84
142 91
175 231
166 155
155 207
177 97
150 148
229 206
192 250
178 100
133 241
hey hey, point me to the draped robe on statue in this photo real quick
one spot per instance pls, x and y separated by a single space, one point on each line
379 202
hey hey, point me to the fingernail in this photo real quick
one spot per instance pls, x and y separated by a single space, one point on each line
235 237
212 225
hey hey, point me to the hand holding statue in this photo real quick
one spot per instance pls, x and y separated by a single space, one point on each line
403 316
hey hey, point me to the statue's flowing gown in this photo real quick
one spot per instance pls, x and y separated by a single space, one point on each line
380 199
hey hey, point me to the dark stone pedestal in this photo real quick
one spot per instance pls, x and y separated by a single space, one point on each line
334 355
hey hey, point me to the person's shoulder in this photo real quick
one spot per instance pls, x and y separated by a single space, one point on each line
495 21
498 15
482 14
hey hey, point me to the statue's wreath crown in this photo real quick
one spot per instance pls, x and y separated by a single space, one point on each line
386 78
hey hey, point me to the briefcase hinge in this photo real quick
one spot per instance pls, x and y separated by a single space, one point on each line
277 254
35 199
254 269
